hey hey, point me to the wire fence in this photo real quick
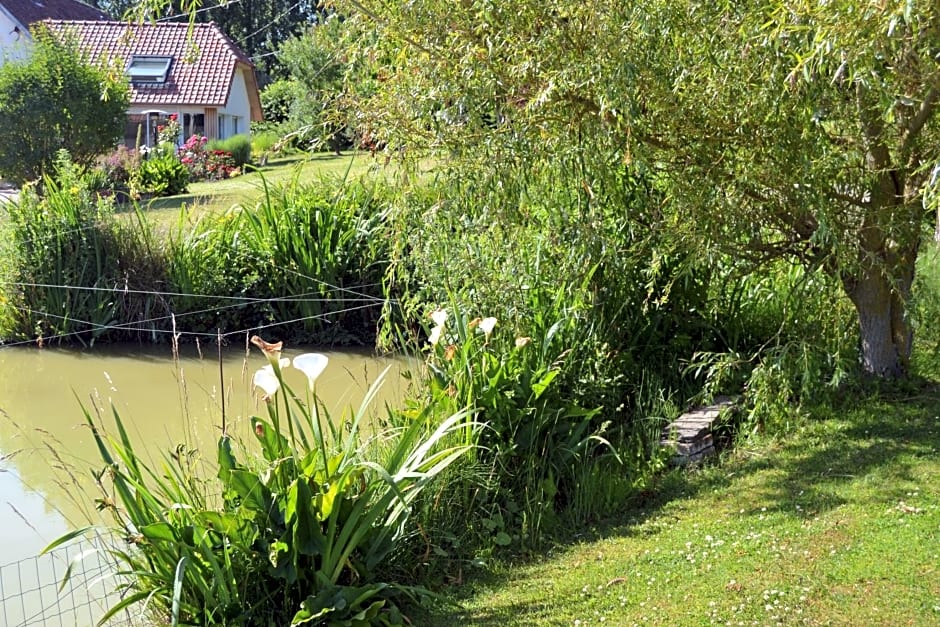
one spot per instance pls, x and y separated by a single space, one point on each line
32 590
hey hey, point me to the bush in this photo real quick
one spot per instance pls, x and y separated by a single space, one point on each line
238 146
53 100
263 144
277 100
160 174
118 168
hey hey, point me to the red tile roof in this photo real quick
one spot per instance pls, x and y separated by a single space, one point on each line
28 11
203 66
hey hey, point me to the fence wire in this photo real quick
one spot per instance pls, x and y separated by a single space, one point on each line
30 588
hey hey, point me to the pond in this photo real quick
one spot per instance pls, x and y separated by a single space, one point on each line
47 452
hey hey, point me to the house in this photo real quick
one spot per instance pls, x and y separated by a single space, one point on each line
194 73
16 16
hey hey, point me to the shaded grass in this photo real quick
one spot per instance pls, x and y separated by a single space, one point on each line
839 524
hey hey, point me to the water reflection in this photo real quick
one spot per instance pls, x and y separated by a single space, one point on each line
46 451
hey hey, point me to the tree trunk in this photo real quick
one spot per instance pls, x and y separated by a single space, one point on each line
886 333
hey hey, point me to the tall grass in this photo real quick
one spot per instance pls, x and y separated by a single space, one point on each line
73 262
312 254
570 410
308 257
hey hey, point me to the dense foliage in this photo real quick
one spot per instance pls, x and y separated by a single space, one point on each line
79 273
781 129
55 101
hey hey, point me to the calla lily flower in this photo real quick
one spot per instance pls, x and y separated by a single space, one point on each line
435 336
312 365
439 317
487 324
271 350
266 380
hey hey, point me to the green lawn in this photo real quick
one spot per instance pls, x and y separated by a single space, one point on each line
837 525
208 196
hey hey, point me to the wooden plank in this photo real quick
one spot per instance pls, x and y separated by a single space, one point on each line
690 436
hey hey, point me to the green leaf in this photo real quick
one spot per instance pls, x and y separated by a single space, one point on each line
75 560
159 532
308 613
227 461
255 495
71 535
273 444
502 539
123 604
539 387
178 589
303 519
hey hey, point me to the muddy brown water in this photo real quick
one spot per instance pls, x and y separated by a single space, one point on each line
47 452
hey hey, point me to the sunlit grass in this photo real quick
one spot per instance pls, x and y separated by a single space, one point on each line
839 524
217 196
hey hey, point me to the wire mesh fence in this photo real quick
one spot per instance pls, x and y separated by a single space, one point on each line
32 590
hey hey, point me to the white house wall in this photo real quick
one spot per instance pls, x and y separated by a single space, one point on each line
13 41
237 105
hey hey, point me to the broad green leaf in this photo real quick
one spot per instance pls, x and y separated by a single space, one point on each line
273 445
160 532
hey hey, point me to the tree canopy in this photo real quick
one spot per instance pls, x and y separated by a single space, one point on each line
776 128
52 101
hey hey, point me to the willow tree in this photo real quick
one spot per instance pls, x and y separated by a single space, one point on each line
779 128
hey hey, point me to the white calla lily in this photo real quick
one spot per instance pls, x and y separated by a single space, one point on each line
439 317
266 380
487 325
435 336
312 365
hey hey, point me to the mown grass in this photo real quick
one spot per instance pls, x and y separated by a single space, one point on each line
837 524
216 196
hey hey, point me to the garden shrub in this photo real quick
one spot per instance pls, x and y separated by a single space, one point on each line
238 146
263 143
118 168
204 162
160 174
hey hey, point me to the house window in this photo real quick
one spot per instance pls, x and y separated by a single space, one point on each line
194 124
148 69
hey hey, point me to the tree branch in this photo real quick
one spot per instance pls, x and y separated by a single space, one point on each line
927 108
872 129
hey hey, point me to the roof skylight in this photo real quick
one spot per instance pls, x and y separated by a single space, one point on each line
148 69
